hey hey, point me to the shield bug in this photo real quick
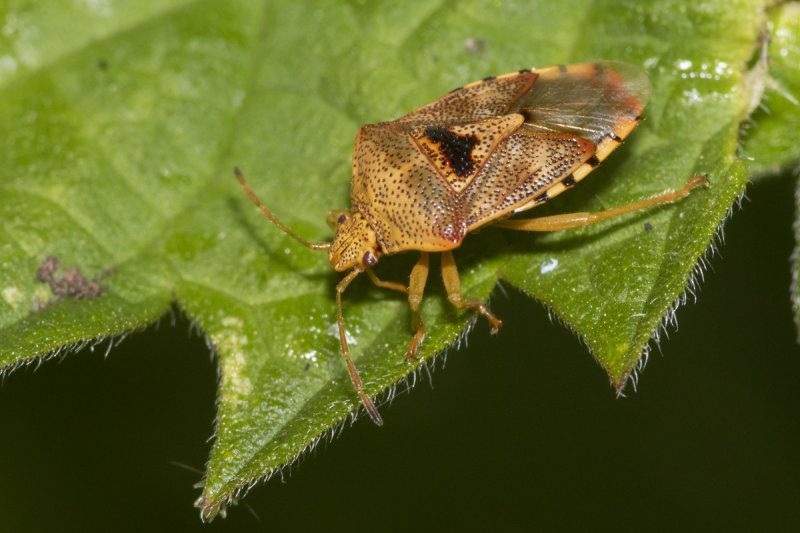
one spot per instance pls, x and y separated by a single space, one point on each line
475 157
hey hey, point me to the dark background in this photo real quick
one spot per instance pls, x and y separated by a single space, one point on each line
520 431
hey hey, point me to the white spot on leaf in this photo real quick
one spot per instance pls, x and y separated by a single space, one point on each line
12 296
333 330
549 265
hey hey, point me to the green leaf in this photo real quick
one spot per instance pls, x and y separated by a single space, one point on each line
122 125
768 140
769 135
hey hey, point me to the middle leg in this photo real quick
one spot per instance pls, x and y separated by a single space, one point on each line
416 286
452 283
417 280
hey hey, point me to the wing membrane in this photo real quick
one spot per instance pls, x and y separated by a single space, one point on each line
590 100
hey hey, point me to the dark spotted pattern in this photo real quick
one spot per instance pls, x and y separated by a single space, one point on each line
454 149
483 136
569 181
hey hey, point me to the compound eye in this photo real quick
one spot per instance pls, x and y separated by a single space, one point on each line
369 259
342 219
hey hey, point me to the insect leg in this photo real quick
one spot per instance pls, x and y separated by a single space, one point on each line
351 368
419 275
386 284
414 299
452 284
575 220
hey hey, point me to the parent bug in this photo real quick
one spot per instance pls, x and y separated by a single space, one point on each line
474 157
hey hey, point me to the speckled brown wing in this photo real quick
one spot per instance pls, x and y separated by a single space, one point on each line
574 117
523 168
402 195
489 98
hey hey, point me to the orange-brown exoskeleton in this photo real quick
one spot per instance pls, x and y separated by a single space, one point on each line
474 157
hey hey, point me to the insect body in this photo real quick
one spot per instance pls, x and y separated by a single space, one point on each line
474 157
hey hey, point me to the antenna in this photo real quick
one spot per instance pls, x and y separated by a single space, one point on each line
267 213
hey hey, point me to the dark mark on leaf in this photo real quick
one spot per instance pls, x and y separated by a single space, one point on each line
71 284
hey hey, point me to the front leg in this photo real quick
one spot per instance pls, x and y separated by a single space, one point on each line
351 368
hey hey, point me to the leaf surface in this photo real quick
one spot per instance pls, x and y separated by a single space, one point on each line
768 136
121 132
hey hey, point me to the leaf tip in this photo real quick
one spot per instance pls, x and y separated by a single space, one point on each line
209 509
619 383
